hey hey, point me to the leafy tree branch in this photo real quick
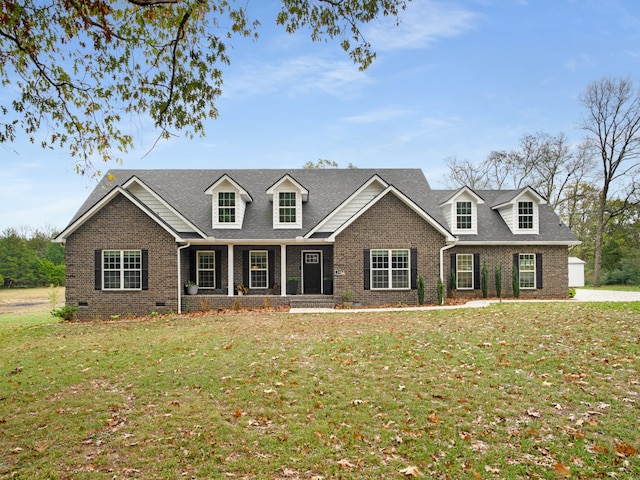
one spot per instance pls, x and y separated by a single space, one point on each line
83 68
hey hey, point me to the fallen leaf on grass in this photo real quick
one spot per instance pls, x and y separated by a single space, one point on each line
625 450
238 413
42 446
433 418
533 413
412 471
562 469
288 472
345 463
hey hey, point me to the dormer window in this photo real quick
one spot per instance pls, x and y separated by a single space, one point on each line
520 210
463 215
229 203
227 207
287 196
525 215
461 211
287 207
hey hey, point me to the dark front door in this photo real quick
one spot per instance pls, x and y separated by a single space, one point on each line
312 272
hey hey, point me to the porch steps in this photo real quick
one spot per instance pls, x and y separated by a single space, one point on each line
311 301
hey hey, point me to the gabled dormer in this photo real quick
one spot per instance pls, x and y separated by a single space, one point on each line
351 206
287 196
229 202
159 206
461 211
520 211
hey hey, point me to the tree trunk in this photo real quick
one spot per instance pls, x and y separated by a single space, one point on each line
597 266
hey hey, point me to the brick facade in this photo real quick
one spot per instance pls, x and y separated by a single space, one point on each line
120 225
555 270
390 223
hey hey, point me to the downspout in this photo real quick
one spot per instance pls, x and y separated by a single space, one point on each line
446 247
179 278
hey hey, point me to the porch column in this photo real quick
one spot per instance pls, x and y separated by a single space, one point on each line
283 270
230 285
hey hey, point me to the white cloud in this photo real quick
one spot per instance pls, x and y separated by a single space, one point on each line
422 24
296 76
579 62
381 115
632 53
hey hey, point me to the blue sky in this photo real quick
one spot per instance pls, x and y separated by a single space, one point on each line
457 78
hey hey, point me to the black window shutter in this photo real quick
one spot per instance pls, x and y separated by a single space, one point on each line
193 266
414 268
476 271
145 269
454 267
538 270
367 269
245 268
516 261
98 269
271 259
218 268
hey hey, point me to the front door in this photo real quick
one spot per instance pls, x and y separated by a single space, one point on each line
312 272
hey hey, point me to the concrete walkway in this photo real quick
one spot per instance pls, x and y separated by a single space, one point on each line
587 295
582 295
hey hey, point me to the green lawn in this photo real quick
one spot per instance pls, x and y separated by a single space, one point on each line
514 391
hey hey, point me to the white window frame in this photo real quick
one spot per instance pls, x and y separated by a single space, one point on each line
122 280
459 216
257 269
291 195
389 269
198 269
528 260
233 209
465 271
526 216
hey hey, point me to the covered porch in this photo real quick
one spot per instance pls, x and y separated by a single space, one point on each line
255 275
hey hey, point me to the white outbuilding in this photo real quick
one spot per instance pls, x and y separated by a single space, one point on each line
576 272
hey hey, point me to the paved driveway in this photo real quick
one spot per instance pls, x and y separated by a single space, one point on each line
587 295
582 295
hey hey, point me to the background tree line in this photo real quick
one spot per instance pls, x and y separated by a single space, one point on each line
592 185
28 258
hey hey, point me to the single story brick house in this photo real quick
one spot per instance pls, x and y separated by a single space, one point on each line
302 237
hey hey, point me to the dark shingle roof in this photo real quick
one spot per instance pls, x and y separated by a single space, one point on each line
492 228
328 189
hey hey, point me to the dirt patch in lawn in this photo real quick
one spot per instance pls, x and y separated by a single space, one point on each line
23 301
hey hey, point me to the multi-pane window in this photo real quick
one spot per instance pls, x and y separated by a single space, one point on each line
287 207
464 271
525 215
226 207
527 270
463 215
207 269
258 269
122 269
390 269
